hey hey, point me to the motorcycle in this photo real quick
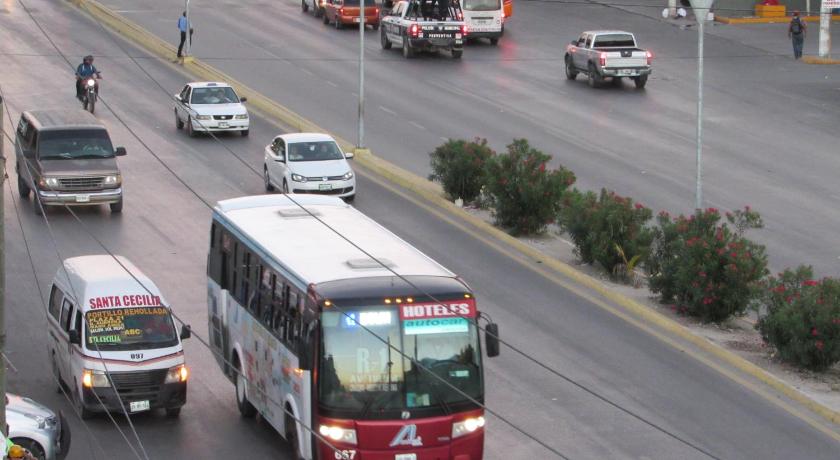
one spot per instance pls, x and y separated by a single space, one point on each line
89 93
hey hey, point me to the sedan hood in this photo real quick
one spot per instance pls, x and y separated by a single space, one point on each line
87 167
219 109
319 168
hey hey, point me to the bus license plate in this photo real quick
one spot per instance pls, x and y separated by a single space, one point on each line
137 406
324 186
82 198
405 457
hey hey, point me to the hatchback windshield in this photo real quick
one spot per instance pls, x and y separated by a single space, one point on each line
214 95
75 144
369 374
482 5
134 328
314 151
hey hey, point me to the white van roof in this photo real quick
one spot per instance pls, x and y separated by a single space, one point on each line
101 281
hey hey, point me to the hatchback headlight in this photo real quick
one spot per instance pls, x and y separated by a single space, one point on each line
348 175
48 182
177 374
115 179
92 378
337 433
467 426
202 117
298 178
243 116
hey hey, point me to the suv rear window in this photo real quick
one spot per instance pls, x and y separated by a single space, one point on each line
614 40
74 144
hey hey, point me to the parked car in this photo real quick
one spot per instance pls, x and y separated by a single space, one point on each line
604 54
346 13
36 428
210 107
308 163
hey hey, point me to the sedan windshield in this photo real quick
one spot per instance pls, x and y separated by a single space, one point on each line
314 151
135 328
214 95
75 145
433 362
482 5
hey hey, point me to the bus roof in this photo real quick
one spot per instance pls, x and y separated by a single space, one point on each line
310 248
103 277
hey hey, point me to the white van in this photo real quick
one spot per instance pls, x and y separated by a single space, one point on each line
128 353
484 18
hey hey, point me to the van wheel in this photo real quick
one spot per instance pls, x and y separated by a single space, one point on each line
59 386
84 414
23 189
173 412
245 407
291 435
117 207
383 40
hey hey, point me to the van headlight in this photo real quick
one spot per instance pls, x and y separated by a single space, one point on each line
243 116
337 433
202 117
115 179
467 426
95 379
348 175
177 374
48 182
298 178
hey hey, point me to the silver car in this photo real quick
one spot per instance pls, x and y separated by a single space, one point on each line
37 428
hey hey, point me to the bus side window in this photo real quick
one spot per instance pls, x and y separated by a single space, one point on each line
225 262
66 310
292 317
234 272
267 279
56 296
278 300
214 263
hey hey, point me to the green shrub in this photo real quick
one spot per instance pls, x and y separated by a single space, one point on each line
708 269
803 318
459 166
524 194
610 229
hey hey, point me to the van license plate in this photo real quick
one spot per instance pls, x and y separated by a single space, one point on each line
82 198
137 406
405 457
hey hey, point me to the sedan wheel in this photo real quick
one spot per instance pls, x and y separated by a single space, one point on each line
267 181
178 123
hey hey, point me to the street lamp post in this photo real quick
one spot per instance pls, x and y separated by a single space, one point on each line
188 44
361 138
701 13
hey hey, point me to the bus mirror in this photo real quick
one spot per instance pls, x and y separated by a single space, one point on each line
491 339
74 337
186 332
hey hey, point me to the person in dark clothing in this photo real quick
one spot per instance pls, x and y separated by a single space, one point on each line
443 9
796 32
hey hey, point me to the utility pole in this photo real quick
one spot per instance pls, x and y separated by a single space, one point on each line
701 13
361 140
825 26
2 273
189 29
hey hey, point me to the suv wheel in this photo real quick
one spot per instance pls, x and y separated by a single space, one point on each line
117 207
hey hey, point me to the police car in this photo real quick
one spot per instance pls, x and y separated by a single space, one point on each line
210 107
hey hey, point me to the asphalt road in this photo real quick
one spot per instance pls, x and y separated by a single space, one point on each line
770 123
164 231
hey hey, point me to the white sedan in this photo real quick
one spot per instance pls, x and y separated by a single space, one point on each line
308 163
210 106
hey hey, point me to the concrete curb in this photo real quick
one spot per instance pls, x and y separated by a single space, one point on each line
776 20
820 60
432 193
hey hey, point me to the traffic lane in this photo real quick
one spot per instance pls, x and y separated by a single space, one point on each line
163 230
644 145
605 354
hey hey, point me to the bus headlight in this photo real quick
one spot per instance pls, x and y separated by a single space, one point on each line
467 426
95 379
177 374
337 433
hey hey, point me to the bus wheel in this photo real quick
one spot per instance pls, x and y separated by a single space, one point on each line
245 407
291 435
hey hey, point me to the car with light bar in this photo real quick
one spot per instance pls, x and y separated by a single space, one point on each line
608 55
308 163
346 13
65 158
112 342
207 107
415 26
373 344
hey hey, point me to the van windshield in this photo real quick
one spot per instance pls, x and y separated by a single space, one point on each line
134 328
77 144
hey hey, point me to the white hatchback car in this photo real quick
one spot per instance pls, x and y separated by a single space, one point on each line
308 163
210 106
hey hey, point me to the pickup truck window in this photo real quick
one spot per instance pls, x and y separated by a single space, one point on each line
588 40
615 41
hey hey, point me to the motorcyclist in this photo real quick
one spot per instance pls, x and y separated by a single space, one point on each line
85 70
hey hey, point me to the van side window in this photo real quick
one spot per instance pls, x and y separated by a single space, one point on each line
66 310
77 323
56 297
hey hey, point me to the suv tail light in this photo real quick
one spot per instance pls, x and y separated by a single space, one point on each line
414 31
603 59
649 56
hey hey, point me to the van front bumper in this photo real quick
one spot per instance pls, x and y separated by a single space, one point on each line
80 198
166 396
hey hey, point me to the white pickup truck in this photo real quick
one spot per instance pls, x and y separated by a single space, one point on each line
417 25
608 54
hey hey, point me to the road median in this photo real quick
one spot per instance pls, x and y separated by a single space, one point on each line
433 194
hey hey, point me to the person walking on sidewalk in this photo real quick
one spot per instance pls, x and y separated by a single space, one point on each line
183 27
796 32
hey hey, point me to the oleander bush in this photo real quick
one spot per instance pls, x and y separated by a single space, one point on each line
608 229
459 166
802 318
707 268
525 194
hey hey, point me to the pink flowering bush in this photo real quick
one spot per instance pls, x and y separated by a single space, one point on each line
459 166
707 268
802 318
524 193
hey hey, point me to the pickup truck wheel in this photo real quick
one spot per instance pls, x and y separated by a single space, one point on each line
494 41
571 73
640 81
303 6
383 40
594 79
456 54
408 53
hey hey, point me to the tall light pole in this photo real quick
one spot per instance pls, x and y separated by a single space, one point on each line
361 140
189 28
701 13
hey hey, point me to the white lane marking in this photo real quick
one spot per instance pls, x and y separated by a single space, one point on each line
307 71
387 110
332 84
444 139
417 125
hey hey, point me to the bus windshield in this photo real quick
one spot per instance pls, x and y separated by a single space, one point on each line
370 375
135 328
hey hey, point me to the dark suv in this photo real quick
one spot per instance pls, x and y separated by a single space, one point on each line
66 158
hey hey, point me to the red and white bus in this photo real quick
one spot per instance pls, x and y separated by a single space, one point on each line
382 366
